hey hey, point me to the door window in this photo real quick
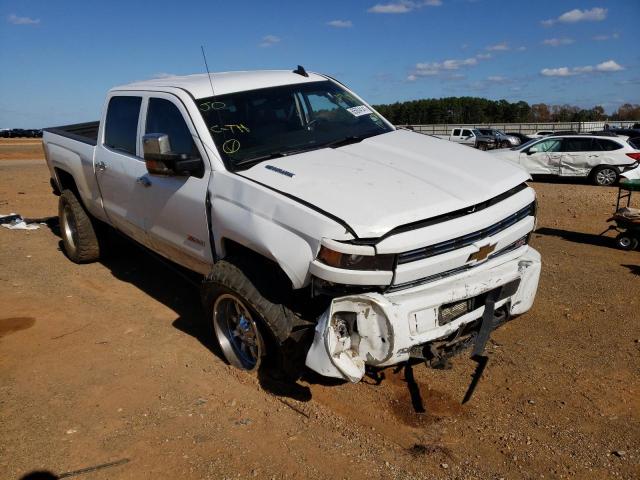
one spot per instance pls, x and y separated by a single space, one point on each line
121 125
551 145
164 117
466 133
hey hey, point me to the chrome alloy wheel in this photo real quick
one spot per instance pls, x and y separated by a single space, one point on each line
606 176
69 229
237 332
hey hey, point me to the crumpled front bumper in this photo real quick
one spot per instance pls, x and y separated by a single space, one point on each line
380 330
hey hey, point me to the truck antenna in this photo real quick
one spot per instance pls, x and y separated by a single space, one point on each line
208 72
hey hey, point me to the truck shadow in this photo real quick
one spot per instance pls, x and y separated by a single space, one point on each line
133 264
174 288
633 269
577 237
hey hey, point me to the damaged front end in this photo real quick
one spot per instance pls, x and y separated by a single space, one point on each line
432 322
352 332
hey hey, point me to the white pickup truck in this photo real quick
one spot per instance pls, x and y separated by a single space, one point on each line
311 222
471 137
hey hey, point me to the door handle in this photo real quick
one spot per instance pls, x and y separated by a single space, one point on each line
144 181
101 166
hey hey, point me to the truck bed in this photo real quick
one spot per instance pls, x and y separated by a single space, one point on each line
83 132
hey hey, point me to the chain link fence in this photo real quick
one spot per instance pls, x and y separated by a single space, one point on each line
525 128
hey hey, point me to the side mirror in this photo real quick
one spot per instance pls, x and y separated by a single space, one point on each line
160 160
531 151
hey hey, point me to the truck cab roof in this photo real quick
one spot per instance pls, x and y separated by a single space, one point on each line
199 86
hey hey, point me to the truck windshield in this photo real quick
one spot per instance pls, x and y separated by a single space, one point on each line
255 125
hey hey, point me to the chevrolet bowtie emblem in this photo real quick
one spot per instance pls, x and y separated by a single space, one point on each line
482 254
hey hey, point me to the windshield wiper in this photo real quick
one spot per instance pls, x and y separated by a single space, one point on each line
345 141
261 158
270 156
334 144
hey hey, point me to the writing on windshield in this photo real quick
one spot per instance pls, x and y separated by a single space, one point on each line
264 123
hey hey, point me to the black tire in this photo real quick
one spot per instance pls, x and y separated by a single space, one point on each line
604 175
258 292
505 144
482 146
624 241
77 229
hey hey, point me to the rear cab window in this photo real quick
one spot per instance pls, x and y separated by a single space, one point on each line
121 124
456 132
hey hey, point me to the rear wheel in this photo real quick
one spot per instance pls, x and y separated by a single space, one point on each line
625 241
77 229
482 146
604 175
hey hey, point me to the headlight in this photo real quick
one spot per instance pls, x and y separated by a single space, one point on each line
355 262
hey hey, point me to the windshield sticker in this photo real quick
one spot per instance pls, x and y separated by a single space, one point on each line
231 146
233 128
359 110
206 106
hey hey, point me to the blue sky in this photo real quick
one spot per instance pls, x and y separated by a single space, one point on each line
59 58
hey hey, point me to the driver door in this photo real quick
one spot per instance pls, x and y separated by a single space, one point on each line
543 158
176 205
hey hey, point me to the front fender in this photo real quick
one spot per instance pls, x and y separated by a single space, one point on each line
271 224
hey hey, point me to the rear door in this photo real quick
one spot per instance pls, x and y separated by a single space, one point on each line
455 135
176 206
118 165
579 156
542 157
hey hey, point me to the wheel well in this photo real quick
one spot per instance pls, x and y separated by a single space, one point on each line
263 264
599 167
66 182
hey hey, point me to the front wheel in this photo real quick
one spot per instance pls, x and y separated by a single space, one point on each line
604 176
625 241
243 298
237 332
482 146
505 144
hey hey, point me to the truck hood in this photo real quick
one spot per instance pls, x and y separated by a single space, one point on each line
389 180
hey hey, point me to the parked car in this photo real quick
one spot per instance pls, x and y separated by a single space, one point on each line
603 133
5 133
600 158
541 133
307 218
628 132
471 137
500 139
520 136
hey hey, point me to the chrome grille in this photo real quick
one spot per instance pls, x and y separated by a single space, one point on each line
465 240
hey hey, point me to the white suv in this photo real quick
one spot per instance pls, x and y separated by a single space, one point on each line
603 159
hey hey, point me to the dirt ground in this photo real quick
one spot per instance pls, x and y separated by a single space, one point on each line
20 148
109 365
